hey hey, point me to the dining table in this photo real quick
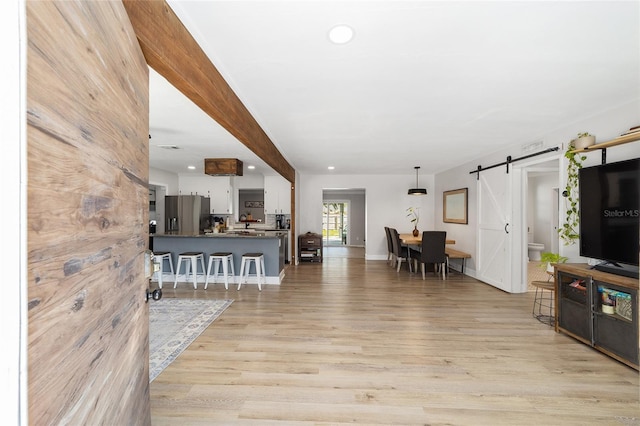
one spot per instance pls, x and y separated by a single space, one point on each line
410 240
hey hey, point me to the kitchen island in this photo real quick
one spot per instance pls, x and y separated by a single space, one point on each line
270 244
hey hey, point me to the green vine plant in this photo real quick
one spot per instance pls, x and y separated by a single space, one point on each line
550 257
569 233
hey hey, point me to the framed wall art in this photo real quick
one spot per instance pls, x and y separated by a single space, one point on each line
454 206
254 204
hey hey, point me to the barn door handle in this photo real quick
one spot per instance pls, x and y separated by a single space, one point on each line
506 228
155 295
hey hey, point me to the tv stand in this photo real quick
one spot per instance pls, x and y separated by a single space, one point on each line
598 309
618 269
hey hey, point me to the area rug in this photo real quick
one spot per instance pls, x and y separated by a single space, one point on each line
174 324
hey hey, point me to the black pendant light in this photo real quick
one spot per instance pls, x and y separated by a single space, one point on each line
416 190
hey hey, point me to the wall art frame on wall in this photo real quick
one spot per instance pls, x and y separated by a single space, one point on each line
254 204
455 206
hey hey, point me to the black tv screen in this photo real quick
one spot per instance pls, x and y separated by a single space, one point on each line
610 211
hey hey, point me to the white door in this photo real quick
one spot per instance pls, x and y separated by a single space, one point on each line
494 220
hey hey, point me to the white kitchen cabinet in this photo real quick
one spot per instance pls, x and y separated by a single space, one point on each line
195 185
222 195
218 188
277 195
284 197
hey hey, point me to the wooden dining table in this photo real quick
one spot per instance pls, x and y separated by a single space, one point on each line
410 240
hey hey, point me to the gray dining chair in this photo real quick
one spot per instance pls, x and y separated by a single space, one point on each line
390 255
400 251
432 251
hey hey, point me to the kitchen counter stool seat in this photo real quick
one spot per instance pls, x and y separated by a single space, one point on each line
215 260
258 261
190 260
163 256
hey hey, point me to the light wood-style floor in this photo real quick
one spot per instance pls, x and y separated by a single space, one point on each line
343 252
353 341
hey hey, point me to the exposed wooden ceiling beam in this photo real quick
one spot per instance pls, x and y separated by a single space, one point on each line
171 50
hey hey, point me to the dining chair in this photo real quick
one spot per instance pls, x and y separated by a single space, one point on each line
432 250
400 251
390 255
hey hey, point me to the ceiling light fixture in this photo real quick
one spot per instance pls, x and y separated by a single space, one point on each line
191 167
331 168
341 34
251 167
417 190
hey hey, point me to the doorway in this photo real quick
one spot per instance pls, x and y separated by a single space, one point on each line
335 223
344 222
541 206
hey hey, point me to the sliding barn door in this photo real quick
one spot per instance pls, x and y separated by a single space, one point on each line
494 222
87 185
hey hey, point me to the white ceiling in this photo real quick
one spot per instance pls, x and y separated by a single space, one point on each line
423 83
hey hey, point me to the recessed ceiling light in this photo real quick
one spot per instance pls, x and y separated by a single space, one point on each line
331 167
191 167
251 167
341 34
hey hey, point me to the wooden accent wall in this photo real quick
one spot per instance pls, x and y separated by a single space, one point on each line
88 165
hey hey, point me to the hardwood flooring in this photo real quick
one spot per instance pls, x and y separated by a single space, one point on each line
353 341
343 251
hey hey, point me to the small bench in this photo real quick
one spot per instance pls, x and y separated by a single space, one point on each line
457 254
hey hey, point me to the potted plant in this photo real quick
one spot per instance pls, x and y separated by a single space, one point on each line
414 214
584 140
569 229
548 258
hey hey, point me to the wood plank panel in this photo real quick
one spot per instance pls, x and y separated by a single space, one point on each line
223 167
354 341
87 157
171 50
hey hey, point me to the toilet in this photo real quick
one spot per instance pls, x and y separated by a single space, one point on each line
535 249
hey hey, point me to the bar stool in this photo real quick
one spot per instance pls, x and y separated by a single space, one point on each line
543 302
215 259
190 259
258 260
163 256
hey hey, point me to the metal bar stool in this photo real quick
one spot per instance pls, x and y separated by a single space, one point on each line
215 259
258 260
163 256
543 302
190 260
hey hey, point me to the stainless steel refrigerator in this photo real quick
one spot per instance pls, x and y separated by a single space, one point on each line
186 214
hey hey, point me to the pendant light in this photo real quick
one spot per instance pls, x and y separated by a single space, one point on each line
416 190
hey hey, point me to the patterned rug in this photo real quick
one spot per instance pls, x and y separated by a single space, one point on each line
174 324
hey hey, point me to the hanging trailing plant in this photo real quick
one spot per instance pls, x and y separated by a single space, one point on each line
569 230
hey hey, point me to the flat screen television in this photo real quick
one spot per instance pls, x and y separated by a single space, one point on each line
609 199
